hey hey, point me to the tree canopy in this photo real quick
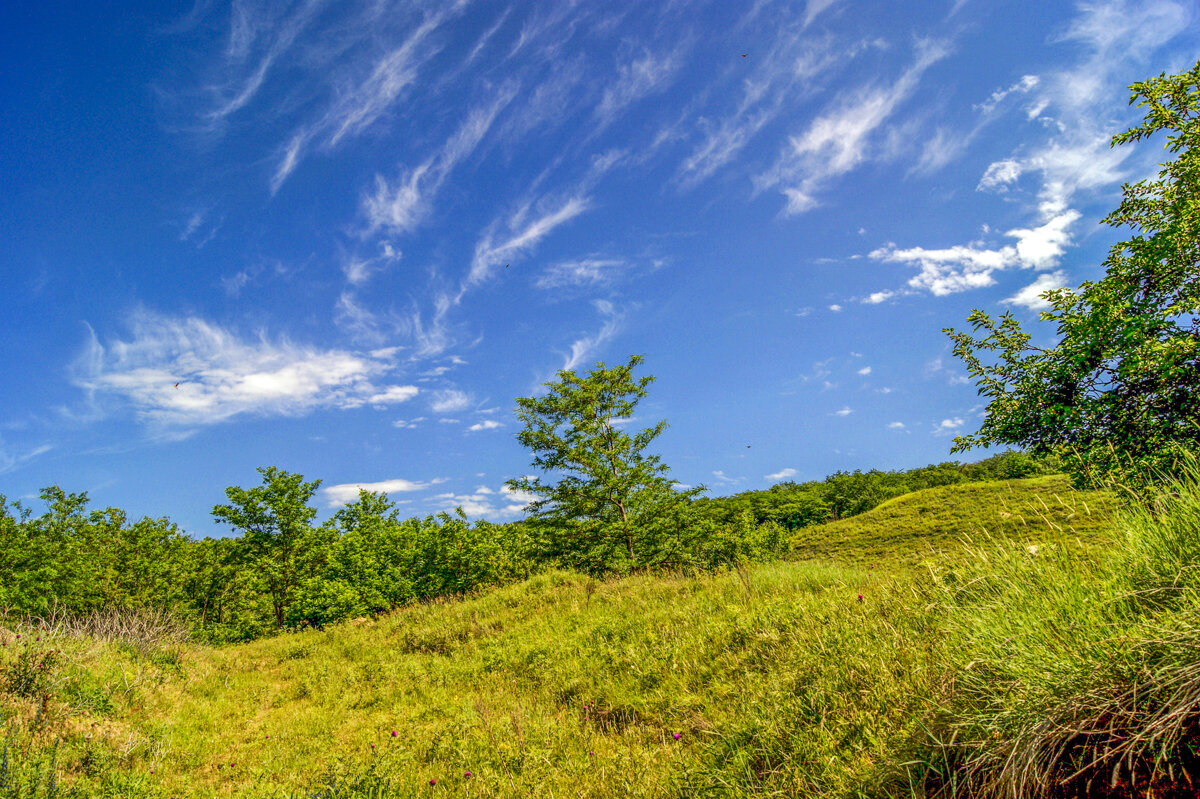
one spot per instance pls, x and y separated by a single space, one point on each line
1117 396
605 509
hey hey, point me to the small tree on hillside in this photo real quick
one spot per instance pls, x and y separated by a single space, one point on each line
595 516
275 519
1119 395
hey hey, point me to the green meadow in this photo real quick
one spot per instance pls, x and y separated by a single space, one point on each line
990 638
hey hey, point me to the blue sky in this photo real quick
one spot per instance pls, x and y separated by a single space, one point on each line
354 232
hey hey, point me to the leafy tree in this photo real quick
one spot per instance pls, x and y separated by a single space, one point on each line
607 486
275 520
1117 395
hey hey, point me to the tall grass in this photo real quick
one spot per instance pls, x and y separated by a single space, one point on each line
1074 671
1027 662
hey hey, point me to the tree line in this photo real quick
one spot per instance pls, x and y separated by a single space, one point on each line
280 570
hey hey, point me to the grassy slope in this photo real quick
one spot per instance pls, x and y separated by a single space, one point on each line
776 678
932 523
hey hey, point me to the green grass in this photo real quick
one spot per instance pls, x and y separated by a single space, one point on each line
994 669
936 522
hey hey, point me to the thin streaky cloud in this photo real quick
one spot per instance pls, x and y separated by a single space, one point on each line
489 253
637 80
359 106
839 140
584 349
247 26
400 207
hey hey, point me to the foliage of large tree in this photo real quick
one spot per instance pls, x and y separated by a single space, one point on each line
1119 395
275 519
603 511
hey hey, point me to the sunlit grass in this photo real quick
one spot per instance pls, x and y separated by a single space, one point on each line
991 666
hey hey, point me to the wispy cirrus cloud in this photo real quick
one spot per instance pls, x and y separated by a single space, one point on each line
583 349
260 34
400 206
839 140
791 68
504 243
179 372
449 400
361 102
12 458
591 271
637 79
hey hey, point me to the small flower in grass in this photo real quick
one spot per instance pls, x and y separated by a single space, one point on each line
860 597
432 781
468 775
676 735
394 733
372 746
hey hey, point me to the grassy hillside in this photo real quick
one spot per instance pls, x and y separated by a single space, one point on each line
935 522
834 678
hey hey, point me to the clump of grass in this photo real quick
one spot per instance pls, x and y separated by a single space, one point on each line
1071 671
148 629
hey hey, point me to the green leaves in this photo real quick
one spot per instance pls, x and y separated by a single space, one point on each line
606 510
1116 396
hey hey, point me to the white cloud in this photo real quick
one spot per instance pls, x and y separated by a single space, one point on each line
342 494
188 371
449 400
583 272
12 458
583 349
895 425
866 370
359 270
521 238
843 412
504 503
878 297
963 267
839 140
782 474
1078 106
269 38
835 307
358 104
1026 84
948 426
1030 296
486 424
999 175
392 395
814 8
636 80
409 423
401 206
776 78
